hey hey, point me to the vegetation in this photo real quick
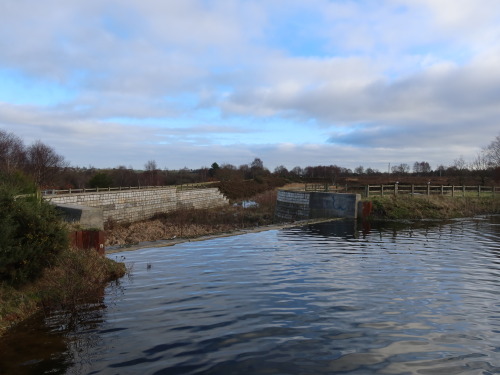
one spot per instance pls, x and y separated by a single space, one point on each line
190 223
50 171
31 235
37 268
75 276
431 207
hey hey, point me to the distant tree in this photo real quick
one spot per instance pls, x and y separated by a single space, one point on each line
421 167
460 164
371 171
213 169
297 171
43 163
151 176
12 152
440 170
245 171
228 172
459 169
492 152
101 180
359 170
481 167
281 171
480 162
257 168
123 176
257 164
150 166
400 169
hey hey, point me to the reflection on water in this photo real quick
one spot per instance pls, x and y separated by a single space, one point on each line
330 298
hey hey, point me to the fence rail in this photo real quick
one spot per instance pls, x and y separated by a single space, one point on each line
451 190
200 185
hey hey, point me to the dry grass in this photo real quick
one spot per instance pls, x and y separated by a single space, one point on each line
433 207
190 223
76 276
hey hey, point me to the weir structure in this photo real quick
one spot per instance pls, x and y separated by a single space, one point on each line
91 209
303 205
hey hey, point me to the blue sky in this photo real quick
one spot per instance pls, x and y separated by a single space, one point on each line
293 82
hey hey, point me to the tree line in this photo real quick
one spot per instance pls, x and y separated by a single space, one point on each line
49 170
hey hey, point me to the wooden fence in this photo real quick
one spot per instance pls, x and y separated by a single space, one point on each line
400 189
452 190
201 185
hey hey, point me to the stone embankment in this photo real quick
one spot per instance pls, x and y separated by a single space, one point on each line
136 205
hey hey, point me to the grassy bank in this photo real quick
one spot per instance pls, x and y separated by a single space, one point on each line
75 276
433 207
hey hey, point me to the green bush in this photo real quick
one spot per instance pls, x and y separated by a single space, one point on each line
31 233
101 180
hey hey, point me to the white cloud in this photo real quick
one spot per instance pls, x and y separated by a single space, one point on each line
405 77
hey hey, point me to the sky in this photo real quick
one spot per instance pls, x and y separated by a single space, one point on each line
293 82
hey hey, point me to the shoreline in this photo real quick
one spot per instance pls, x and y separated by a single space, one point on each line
238 232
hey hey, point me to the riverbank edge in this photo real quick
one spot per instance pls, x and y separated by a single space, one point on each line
238 232
387 208
77 275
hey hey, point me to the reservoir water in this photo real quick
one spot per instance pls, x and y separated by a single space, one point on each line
330 298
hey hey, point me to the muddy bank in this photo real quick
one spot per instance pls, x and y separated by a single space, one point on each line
235 232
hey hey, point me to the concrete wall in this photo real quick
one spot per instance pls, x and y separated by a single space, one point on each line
134 205
86 217
299 205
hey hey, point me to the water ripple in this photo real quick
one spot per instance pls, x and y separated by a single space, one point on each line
323 299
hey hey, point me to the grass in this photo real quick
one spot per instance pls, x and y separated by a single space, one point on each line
190 223
432 207
75 276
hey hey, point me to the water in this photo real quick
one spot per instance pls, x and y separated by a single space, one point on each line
322 299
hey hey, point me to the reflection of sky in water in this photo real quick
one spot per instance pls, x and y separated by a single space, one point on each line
320 299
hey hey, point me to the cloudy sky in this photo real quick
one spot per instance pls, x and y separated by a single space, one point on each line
294 82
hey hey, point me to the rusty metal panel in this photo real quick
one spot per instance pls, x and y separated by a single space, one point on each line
88 239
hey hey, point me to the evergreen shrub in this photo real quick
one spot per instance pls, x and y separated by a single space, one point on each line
31 232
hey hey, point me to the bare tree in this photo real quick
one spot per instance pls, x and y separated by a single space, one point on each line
481 166
359 170
492 152
43 163
402 168
421 167
152 173
257 168
281 171
12 152
297 171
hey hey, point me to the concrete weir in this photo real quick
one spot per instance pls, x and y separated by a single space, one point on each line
302 205
135 205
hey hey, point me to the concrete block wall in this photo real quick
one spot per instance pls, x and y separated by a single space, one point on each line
298 205
134 205
292 205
